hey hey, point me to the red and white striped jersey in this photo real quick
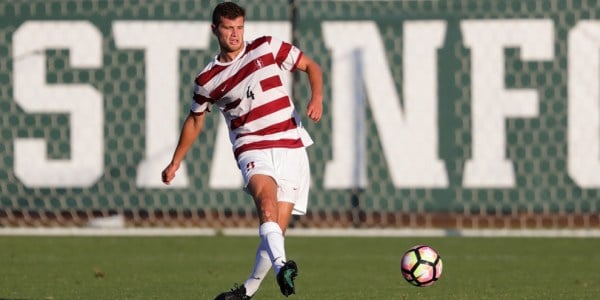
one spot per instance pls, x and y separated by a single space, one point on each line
250 93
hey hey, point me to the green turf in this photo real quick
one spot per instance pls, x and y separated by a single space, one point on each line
330 268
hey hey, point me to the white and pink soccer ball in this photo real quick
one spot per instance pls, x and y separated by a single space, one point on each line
421 265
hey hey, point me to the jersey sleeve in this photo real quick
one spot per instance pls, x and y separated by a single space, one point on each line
286 54
201 101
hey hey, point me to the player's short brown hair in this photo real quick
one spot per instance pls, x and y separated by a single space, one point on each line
227 10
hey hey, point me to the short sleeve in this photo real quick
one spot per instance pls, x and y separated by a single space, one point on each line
286 54
201 102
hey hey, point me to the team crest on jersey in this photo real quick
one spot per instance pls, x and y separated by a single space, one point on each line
259 63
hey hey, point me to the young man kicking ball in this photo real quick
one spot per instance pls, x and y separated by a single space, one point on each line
245 82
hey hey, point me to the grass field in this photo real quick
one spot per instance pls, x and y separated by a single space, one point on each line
330 268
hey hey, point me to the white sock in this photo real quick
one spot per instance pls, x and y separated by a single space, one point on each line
262 265
272 236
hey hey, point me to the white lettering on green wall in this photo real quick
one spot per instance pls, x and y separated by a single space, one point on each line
161 42
407 126
491 102
584 104
81 102
408 133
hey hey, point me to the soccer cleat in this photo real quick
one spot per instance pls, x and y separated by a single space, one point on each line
286 276
238 292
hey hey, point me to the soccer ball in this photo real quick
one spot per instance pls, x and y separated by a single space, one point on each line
421 265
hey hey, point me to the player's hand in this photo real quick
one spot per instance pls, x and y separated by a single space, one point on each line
169 172
314 110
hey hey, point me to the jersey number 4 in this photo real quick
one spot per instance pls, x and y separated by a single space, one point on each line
249 94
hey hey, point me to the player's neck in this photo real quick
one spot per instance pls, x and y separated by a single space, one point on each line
227 56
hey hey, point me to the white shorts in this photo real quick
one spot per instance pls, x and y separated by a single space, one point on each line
288 167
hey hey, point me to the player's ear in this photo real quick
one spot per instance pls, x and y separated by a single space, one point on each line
213 28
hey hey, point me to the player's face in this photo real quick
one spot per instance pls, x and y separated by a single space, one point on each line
230 34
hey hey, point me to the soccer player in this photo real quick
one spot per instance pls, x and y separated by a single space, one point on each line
245 82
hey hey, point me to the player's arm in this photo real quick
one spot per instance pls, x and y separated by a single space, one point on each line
192 126
314 110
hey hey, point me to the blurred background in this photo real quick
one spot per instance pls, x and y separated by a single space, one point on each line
458 114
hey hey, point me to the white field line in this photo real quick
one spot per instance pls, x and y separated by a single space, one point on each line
340 232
